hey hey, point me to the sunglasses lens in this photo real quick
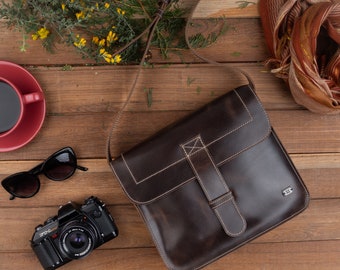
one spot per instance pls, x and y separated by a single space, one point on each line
22 185
61 166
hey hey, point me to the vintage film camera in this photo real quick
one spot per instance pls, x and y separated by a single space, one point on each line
73 233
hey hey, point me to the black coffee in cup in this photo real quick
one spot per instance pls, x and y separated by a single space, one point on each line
10 107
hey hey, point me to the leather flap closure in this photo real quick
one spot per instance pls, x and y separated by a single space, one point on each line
226 127
214 186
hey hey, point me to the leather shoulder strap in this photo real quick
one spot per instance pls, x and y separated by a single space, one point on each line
163 5
150 30
207 60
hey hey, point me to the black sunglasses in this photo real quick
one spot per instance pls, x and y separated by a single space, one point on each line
59 166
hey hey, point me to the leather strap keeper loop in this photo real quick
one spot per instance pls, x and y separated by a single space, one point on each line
214 187
220 200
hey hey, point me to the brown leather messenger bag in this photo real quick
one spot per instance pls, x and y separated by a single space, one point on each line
211 182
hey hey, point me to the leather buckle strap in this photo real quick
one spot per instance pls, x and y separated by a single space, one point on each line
215 188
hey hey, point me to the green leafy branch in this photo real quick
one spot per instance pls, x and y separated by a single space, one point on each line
244 4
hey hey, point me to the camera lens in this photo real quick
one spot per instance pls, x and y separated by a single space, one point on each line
77 241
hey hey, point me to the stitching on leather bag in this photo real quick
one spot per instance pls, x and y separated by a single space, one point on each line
210 143
196 173
212 161
151 175
221 178
194 148
246 123
128 168
238 212
259 141
155 198
217 170
259 104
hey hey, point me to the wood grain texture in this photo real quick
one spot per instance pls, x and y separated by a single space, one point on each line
81 104
299 130
280 256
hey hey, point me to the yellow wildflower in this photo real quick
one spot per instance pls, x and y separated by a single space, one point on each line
95 40
107 57
120 11
63 6
106 5
80 15
35 36
42 33
111 37
102 43
80 43
117 58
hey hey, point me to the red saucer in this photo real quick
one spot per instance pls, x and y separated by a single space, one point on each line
34 115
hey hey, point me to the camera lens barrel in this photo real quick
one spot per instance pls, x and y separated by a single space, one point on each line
77 241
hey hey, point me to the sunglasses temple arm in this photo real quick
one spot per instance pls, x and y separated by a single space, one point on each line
82 168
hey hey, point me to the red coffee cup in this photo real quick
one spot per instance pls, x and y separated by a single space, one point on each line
13 104
22 106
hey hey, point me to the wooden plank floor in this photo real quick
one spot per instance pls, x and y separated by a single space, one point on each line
81 103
